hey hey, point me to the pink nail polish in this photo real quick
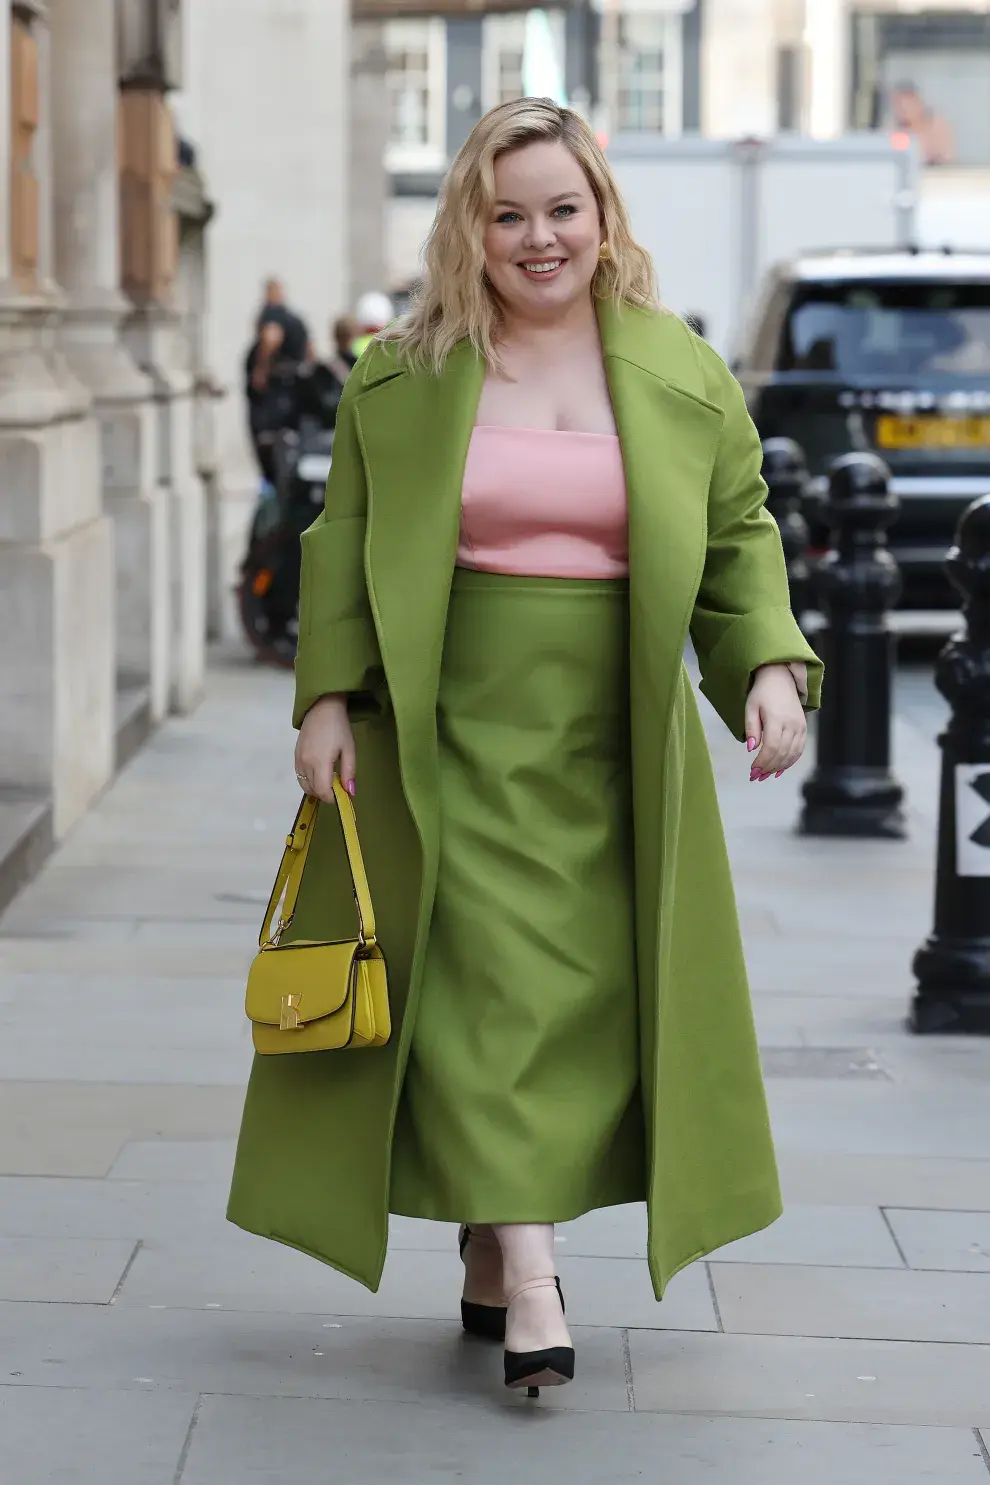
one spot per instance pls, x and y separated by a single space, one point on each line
750 743
779 774
351 787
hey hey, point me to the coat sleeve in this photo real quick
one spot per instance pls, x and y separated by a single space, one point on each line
742 615
338 646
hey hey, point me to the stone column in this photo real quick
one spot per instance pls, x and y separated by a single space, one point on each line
195 211
56 546
368 182
87 264
152 333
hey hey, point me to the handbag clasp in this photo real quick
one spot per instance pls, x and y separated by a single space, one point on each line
289 1019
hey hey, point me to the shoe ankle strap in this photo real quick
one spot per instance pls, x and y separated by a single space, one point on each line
550 1282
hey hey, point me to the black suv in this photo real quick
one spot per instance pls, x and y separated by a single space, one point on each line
889 352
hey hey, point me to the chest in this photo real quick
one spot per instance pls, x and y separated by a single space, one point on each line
569 395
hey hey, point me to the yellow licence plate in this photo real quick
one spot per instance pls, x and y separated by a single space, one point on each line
932 432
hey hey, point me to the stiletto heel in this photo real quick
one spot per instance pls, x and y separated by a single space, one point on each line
485 1321
551 1367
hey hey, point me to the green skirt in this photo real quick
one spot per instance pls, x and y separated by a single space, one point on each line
521 1100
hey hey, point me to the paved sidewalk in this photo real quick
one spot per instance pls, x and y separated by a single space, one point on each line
143 1341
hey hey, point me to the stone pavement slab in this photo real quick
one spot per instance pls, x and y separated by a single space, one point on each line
831 964
56 1436
883 1304
186 1030
278 1355
866 1117
290 1441
827 1236
846 1179
56 1206
813 1378
241 1272
79 1129
943 1240
62 1270
830 1020
618 1291
190 893
809 1234
179 1161
195 956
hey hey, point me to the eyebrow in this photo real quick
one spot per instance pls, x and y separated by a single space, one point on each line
554 200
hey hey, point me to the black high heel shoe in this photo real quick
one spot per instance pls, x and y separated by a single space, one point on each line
551 1367
485 1321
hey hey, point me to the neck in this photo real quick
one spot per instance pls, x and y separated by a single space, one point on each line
570 322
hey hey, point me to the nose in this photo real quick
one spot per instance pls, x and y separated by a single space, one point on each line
541 235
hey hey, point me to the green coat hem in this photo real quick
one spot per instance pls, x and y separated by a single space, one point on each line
761 1216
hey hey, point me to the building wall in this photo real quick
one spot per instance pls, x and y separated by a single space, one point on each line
265 98
100 598
635 66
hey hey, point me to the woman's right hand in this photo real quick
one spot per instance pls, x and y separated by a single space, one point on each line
326 746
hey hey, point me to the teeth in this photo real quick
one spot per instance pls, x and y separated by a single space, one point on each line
542 267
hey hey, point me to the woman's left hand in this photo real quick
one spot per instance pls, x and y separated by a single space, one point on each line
775 722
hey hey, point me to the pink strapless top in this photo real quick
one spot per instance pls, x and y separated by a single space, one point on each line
542 503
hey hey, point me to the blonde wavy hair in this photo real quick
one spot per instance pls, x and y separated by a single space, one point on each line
455 301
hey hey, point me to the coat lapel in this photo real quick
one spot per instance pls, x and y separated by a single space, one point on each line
669 433
414 429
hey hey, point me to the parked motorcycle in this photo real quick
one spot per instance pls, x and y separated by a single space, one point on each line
268 590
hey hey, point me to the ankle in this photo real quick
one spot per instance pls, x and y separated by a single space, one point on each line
527 1282
482 1235
527 1252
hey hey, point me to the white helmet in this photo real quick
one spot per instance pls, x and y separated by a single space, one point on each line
374 309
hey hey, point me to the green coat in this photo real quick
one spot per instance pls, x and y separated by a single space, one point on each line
313 1162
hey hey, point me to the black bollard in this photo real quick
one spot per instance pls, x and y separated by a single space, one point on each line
953 967
852 790
786 474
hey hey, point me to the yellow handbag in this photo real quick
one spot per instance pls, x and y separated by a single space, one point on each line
308 996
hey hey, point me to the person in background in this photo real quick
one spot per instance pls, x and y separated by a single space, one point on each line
281 348
344 333
295 345
374 311
320 384
936 143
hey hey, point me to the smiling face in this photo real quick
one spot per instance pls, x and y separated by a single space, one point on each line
544 233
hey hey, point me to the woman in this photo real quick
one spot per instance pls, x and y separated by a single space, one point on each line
540 482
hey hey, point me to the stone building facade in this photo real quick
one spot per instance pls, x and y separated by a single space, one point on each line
266 101
102 487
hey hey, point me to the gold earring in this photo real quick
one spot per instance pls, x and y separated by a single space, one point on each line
603 253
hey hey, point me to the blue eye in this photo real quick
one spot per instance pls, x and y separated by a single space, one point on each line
567 208
508 216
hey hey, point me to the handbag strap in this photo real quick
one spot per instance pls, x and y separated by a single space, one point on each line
290 871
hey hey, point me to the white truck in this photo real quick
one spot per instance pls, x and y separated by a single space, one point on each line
716 214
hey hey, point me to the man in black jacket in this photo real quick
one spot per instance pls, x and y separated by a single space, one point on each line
281 348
